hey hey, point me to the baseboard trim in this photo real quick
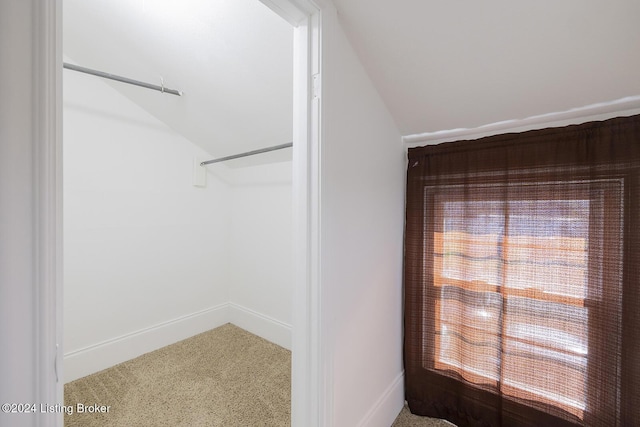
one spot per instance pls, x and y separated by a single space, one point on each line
96 357
385 410
261 325
105 354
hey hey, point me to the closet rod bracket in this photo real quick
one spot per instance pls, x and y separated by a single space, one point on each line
121 79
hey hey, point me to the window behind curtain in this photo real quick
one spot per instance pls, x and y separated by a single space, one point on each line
521 278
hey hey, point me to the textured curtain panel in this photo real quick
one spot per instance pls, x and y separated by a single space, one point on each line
522 278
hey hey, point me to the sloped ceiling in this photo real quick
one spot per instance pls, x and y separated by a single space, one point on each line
231 58
438 65
442 65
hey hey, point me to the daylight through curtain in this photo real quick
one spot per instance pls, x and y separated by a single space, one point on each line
522 278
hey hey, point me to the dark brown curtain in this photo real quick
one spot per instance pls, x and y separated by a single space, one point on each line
522 278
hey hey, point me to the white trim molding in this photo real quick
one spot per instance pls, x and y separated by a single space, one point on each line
261 325
105 354
388 406
601 111
47 125
294 12
309 353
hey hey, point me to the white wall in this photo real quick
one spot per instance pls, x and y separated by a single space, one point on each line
261 278
362 217
17 187
29 266
143 247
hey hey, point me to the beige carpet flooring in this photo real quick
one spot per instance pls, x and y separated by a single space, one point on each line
224 377
407 419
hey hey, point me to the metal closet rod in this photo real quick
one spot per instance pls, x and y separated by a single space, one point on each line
121 79
248 153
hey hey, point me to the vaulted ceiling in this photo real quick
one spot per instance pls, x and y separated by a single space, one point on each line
442 65
437 64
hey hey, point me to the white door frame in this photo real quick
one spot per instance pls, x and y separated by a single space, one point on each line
310 393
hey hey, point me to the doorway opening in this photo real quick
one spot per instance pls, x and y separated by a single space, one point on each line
302 181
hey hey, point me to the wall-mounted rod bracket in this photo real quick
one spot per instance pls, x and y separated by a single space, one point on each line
121 79
248 153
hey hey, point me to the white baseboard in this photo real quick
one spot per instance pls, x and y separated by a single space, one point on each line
258 324
92 359
103 355
387 407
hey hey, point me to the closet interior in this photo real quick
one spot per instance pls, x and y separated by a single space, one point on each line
170 227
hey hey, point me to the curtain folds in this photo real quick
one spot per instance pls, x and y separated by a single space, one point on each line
522 278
